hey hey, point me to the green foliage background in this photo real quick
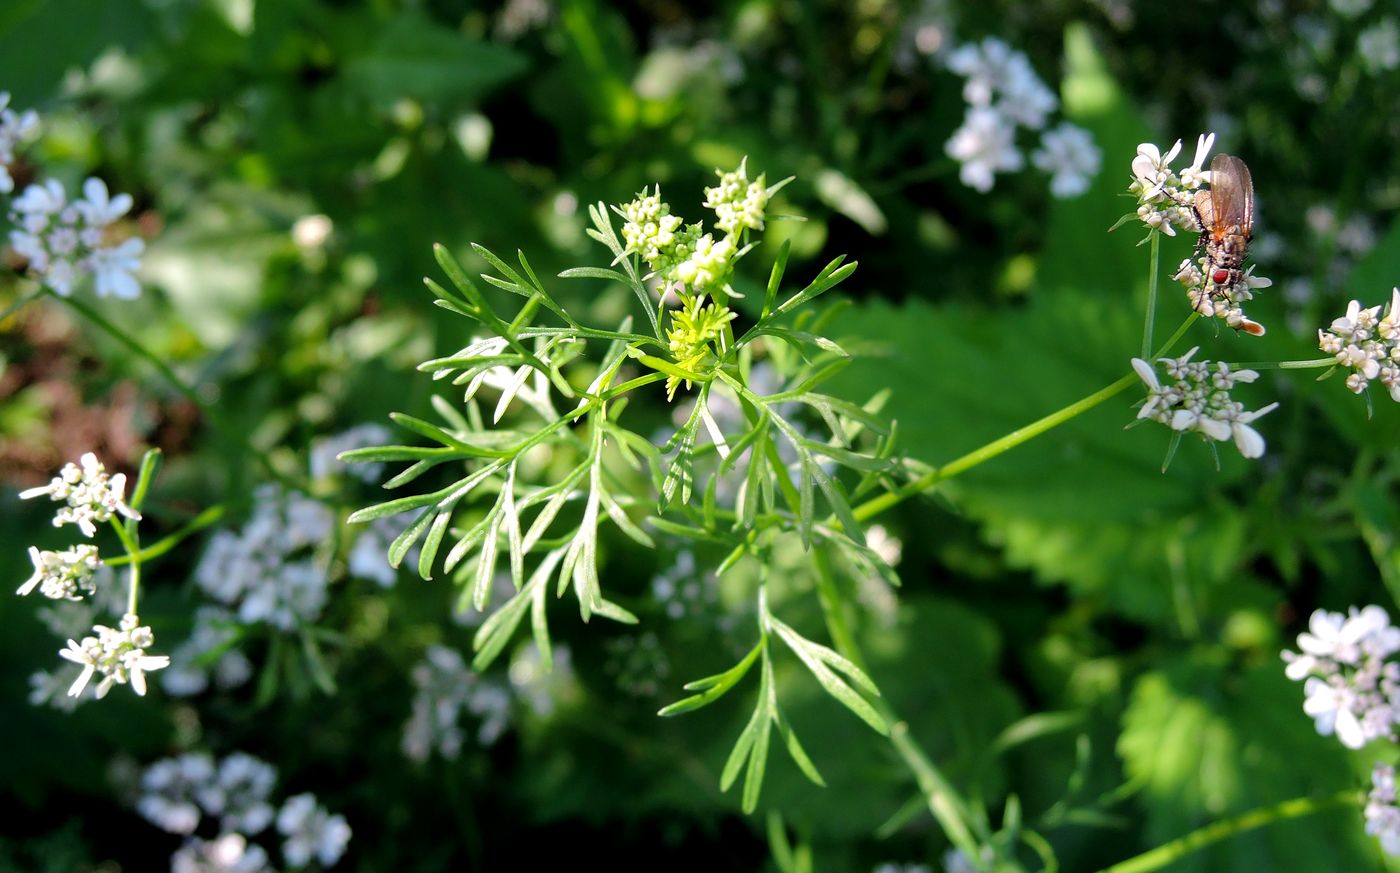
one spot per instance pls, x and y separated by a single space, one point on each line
1070 576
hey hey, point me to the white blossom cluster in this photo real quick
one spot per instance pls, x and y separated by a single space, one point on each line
1198 399
63 240
1351 689
1383 809
14 128
74 618
215 630
119 654
738 203
1165 198
1368 344
270 571
1379 47
90 494
177 794
229 853
686 254
311 831
65 575
325 451
1003 93
1219 301
445 688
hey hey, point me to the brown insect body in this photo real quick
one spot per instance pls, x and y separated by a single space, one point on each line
1226 213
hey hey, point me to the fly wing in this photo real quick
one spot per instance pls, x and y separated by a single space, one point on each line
1232 194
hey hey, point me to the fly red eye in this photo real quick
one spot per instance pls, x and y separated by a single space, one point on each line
1219 276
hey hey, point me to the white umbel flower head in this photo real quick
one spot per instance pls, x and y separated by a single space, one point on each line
90 494
238 794
65 241
15 127
1382 812
311 831
1069 155
1164 198
1368 344
650 228
168 791
738 203
1198 399
65 575
230 853
1350 687
118 654
985 145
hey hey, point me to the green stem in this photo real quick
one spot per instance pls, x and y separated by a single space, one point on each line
948 807
165 544
131 541
1311 364
997 447
230 434
1151 317
1156 859
21 303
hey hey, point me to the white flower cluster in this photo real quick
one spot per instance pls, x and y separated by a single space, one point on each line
230 853
737 202
63 241
118 654
1379 47
311 831
445 688
685 254
1003 93
14 127
1219 301
178 793
73 618
1351 689
65 575
1367 344
1165 199
1383 810
270 572
1198 399
92 496
324 452
214 631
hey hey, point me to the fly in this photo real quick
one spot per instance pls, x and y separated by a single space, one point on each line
1226 213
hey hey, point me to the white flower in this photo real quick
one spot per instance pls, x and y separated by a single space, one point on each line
119 655
112 269
708 263
1194 176
984 145
239 793
1068 153
168 792
1351 689
98 207
1199 400
311 831
1367 344
272 571
14 127
1350 8
92 496
1025 99
1152 169
1379 46
368 555
65 575
738 203
215 630
988 69
230 853
1382 814
325 451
